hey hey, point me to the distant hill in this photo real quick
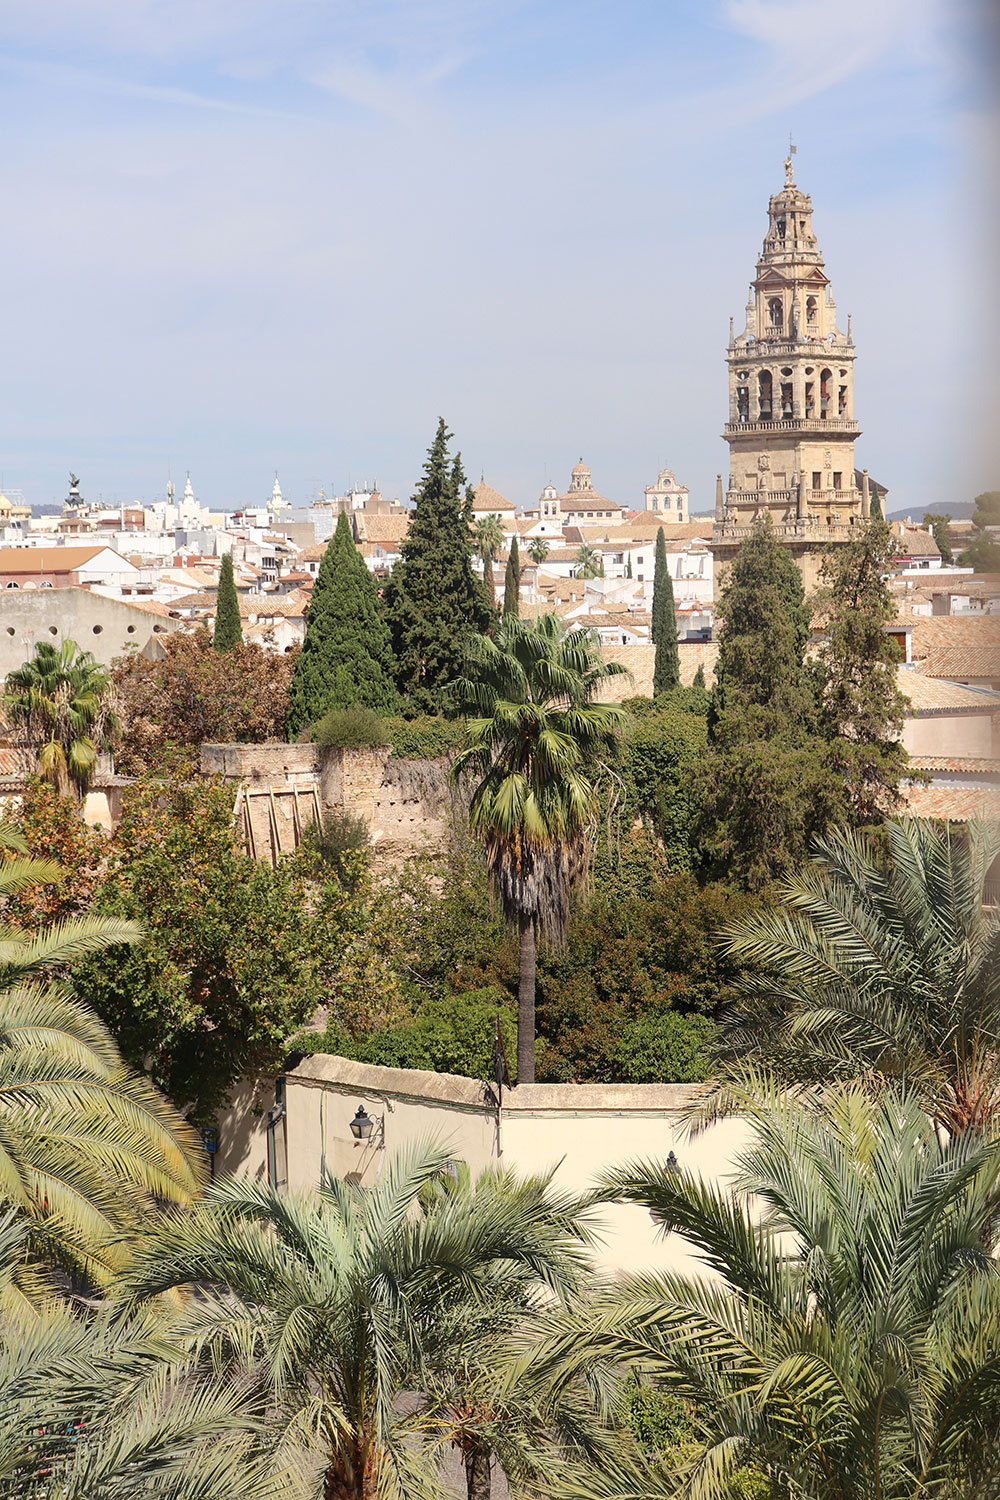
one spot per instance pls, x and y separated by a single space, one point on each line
959 510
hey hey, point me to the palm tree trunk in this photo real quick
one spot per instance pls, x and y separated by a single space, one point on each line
526 1000
488 578
477 1474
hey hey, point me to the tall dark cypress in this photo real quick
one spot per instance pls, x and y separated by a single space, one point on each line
346 657
228 627
512 582
434 601
667 661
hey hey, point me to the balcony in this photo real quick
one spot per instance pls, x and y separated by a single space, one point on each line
795 424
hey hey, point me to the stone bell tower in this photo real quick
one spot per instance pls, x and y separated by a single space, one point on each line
791 426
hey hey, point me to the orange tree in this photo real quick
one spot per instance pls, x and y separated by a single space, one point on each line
236 954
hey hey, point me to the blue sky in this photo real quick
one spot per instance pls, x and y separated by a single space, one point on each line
248 235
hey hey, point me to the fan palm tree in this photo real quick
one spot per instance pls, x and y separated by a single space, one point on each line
588 563
847 1346
85 1144
59 701
488 538
881 961
94 1405
538 550
336 1303
536 738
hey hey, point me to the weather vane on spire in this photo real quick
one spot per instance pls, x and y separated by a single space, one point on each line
789 179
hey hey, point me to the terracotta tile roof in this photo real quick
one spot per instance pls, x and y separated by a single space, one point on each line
382 528
314 553
931 632
927 694
584 500
914 541
486 499
50 559
962 663
958 804
639 660
960 765
17 760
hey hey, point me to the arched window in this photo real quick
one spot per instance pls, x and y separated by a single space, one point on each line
776 313
764 389
825 378
811 309
13 585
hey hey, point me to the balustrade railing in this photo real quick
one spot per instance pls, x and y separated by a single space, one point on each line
790 424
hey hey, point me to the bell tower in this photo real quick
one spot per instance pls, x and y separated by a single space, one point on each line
791 426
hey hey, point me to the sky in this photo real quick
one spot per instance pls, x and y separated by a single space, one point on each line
248 236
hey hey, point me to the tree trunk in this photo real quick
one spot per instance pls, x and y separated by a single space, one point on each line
526 1000
477 1474
488 578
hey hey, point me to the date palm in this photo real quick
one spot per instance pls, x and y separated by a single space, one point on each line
538 550
335 1304
59 701
93 1405
588 562
488 538
491 1410
847 1343
85 1145
537 742
881 961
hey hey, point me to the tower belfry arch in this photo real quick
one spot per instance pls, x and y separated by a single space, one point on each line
791 426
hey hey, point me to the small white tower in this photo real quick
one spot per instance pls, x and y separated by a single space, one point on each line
278 501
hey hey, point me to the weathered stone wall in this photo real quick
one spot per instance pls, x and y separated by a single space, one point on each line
406 803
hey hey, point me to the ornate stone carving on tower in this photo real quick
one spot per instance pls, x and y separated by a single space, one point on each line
791 426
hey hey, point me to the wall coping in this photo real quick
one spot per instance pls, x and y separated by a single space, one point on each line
324 1069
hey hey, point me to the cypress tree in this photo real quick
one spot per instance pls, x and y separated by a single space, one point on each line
346 657
699 676
862 708
667 662
512 581
228 627
434 601
769 784
875 504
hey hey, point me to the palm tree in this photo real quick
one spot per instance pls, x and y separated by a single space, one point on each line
85 1145
538 550
492 1410
588 562
335 1303
536 737
59 700
488 537
882 962
91 1404
847 1345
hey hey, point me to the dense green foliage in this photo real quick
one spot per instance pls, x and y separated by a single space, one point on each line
59 702
233 957
434 602
346 657
351 728
512 581
666 664
983 551
861 708
447 1034
228 626
425 737
659 764
768 785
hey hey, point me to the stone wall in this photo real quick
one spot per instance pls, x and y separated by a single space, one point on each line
406 803
105 627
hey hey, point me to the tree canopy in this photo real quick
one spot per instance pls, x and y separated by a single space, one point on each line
228 626
346 658
434 601
666 664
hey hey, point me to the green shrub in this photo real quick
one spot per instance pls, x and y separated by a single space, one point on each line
351 728
664 1046
338 841
453 1034
425 738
